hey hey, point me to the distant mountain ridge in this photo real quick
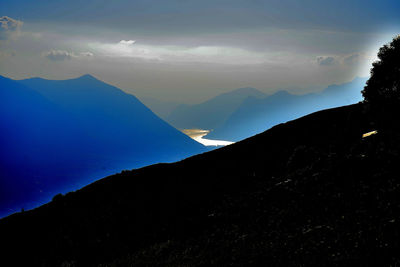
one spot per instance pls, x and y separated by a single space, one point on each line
256 115
211 113
58 135
162 108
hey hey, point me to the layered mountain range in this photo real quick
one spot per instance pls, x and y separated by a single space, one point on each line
244 112
59 135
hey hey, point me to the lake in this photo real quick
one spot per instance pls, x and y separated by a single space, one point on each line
198 134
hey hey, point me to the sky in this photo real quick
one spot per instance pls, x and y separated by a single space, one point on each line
188 51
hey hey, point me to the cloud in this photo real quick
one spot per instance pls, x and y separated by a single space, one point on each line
195 17
5 54
129 42
325 61
62 55
86 54
9 28
58 55
352 59
179 54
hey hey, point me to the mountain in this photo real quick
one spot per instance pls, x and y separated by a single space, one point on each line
309 192
211 113
161 108
255 115
58 136
33 132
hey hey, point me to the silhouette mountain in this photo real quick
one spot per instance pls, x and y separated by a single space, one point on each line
211 113
161 108
309 192
58 136
258 114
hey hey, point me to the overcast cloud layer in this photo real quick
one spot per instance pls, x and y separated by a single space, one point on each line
191 50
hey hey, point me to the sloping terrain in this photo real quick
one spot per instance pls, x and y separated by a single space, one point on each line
58 136
161 108
212 113
310 192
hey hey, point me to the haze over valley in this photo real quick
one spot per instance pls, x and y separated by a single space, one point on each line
199 133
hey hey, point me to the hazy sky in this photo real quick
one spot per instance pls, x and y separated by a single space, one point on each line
184 50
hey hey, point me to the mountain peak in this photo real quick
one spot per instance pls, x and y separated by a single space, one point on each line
247 91
87 77
281 93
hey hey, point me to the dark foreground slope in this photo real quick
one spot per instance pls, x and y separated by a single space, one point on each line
310 192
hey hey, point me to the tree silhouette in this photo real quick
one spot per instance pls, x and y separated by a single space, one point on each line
382 92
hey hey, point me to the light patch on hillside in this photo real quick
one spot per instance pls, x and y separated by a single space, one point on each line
369 134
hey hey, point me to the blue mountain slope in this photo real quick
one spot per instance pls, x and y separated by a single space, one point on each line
33 132
211 113
257 115
57 136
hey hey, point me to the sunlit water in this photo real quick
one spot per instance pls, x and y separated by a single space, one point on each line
197 134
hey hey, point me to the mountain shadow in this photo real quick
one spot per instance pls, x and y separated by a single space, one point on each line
58 136
255 115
